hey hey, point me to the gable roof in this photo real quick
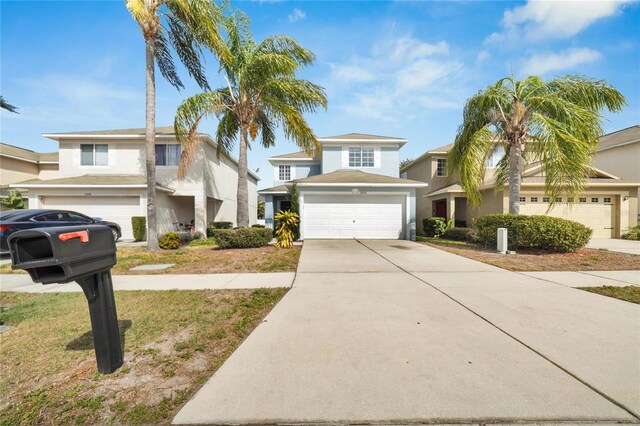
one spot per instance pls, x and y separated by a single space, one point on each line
161 130
302 155
619 138
355 178
24 154
106 180
361 138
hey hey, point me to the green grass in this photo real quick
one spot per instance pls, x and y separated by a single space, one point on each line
628 294
443 242
48 362
205 242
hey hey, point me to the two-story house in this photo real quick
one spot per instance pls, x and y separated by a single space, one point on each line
103 174
349 189
609 203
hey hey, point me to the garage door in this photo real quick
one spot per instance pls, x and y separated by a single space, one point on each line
594 211
114 209
354 216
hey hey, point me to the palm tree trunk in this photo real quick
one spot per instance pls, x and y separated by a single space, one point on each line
242 215
150 142
515 161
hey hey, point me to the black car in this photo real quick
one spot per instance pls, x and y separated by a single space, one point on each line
16 220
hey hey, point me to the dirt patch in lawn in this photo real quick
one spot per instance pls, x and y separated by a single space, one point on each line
173 342
582 260
203 260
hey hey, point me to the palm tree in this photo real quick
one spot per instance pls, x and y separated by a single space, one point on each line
262 92
556 123
184 25
6 105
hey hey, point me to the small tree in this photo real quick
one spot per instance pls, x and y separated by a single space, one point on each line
15 201
287 222
295 208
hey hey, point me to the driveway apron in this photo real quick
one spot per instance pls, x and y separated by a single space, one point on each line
377 331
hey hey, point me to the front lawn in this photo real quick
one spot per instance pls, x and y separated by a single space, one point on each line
629 294
526 260
173 342
203 259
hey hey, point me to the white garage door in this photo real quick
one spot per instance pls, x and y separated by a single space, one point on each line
594 211
114 209
354 216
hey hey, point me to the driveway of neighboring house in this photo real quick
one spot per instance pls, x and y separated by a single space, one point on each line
393 331
613 244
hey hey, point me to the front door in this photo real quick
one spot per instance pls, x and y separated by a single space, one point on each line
440 208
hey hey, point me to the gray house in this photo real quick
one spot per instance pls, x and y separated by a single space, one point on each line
350 188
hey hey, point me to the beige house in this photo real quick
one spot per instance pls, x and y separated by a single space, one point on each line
102 174
609 204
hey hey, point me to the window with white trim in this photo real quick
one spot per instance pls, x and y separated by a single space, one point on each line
545 199
441 167
361 157
284 172
94 154
168 154
494 158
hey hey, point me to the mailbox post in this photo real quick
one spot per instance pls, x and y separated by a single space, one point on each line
84 254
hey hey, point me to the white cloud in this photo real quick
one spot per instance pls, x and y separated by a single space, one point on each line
483 55
399 75
296 15
78 88
543 19
570 58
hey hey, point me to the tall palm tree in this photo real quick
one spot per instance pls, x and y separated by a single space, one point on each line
262 92
184 26
557 123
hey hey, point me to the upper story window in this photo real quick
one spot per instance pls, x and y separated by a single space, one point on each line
284 172
441 167
168 154
94 154
494 158
361 157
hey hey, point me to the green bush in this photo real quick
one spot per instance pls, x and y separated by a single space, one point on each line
435 226
458 234
242 237
257 225
533 232
139 225
169 241
217 225
632 234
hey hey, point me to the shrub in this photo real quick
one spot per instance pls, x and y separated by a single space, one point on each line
242 237
458 234
257 225
139 225
286 232
632 234
169 241
217 225
534 232
435 226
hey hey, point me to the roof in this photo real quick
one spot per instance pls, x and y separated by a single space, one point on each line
302 155
454 187
356 177
444 149
161 130
619 138
27 154
361 138
107 180
280 189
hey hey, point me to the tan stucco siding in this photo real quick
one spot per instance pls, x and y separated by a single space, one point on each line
493 202
48 171
13 170
420 171
622 161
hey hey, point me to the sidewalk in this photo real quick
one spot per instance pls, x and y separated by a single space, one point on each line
22 282
589 278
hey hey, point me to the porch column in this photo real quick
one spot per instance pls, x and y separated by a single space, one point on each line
200 213
268 211
451 208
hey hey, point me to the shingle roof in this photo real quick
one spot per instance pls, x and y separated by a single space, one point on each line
620 137
279 188
161 130
27 154
360 136
356 177
301 154
91 180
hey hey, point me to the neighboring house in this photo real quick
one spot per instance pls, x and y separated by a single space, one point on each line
349 189
608 205
102 174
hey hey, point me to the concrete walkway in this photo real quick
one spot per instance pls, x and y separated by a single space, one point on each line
589 278
613 244
22 282
397 332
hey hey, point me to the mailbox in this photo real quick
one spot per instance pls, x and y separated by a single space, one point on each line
84 254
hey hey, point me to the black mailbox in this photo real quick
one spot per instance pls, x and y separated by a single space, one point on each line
84 254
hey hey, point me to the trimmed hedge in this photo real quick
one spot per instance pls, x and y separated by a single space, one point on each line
257 225
533 232
632 234
458 234
242 237
434 226
139 225
169 241
217 225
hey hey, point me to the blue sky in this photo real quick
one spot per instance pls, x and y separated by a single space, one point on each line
401 69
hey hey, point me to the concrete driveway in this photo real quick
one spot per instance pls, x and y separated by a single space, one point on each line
397 332
612 244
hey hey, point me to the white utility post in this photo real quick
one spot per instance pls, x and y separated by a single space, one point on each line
502 240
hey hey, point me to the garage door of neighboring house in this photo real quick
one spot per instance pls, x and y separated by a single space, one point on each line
594 211
353 216
114 209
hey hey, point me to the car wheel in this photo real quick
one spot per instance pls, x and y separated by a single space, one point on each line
115 235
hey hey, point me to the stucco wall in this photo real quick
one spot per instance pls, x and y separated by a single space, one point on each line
13 170
298 171
389 159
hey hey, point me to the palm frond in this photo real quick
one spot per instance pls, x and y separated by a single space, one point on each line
190 54
6 105
300 94
287 46
165 63
227 132
588 93
467 158
267 128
